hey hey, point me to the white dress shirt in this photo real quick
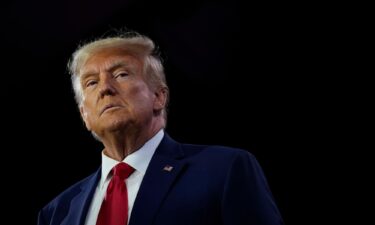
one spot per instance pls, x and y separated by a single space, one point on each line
139 160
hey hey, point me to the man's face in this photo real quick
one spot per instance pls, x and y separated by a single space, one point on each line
115 94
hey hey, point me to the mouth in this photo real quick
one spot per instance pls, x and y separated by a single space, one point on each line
108 107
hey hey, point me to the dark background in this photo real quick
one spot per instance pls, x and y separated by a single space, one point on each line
242 75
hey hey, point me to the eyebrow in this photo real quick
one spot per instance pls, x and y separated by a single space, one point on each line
112 67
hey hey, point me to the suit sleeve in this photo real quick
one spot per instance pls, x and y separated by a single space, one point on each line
247 199
41 219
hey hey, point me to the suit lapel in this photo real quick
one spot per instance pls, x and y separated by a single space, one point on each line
160 176
80 203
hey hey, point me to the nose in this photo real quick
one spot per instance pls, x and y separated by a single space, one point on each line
106 87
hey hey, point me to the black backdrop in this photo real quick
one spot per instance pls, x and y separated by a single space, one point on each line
239 74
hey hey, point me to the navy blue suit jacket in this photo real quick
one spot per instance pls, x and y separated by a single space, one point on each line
208 185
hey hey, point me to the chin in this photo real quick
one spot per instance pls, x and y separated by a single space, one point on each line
116 125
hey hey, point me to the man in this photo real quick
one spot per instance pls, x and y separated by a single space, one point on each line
146 177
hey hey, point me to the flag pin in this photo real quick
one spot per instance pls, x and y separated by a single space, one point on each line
168 168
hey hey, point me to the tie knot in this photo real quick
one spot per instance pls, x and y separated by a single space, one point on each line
122 170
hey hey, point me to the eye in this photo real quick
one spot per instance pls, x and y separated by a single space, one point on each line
91 83
121 75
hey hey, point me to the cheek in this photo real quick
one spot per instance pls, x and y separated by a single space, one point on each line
141 98
89 112
88 109
139 91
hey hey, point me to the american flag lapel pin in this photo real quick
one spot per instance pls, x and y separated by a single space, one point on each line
168 168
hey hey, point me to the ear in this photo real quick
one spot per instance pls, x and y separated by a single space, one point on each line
84 117
161 95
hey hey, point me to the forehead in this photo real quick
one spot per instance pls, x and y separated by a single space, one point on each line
104 59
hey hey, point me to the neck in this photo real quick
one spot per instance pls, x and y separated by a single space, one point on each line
121 143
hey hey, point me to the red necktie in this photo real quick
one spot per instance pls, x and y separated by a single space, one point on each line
114 209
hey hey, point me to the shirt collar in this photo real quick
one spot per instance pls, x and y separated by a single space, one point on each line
139 159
